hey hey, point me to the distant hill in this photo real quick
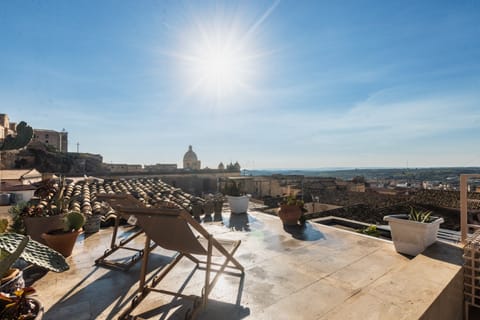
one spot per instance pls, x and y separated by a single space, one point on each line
42 158
419 174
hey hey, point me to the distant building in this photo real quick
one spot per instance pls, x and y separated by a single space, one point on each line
6 127
233 167
123 167
52 138
20 177
221 166
161 167
58 140
190 160
19 183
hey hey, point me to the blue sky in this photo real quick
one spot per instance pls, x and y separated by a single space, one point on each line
270 84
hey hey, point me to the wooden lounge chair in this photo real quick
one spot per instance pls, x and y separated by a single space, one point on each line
105 260
173 229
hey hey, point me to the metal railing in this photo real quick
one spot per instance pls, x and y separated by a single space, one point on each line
464 225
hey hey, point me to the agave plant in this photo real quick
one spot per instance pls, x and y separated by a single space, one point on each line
419 215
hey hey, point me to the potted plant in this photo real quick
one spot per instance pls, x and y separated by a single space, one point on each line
291 210
20 306
92 222
93 216
197 208
413 233
218 201
15 302
237 200
45 212
63 240
208 208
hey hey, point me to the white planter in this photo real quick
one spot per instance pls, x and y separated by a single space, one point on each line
412 237
238 204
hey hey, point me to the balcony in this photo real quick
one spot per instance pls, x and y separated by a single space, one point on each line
315 272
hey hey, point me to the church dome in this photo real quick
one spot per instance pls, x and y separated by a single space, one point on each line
190 160
190 155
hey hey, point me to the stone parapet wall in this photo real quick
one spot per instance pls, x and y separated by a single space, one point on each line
447 199
439 198
348 198
371 207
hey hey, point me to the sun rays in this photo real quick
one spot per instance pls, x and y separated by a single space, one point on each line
217 57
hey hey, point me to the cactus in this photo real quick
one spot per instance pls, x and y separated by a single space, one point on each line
20 140
74 221
33 252
11 258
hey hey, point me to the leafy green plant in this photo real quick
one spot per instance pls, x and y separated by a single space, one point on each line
233 188
291 200
419 215
17 212
370 231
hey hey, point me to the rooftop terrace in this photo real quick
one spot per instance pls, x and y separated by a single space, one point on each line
315 272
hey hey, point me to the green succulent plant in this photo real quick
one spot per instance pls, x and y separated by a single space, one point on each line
73 221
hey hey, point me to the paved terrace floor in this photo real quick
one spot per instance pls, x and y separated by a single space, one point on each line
317 272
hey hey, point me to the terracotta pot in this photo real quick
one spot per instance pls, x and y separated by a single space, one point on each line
35 226
289 214
62 242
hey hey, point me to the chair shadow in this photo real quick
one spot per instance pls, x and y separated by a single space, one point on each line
304 232
112 287
178 307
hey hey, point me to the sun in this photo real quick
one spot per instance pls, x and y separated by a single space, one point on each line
219 53
218 65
